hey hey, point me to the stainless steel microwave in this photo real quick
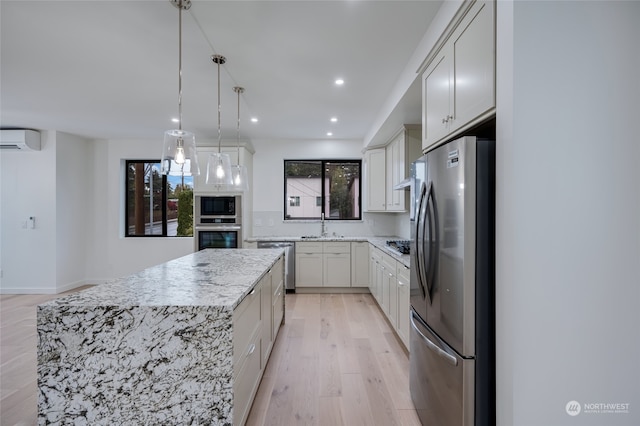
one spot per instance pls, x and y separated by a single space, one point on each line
218 209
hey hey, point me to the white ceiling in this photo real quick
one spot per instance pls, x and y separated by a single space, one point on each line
109 69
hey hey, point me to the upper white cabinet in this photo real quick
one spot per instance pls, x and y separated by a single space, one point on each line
458 85
388 166
375 179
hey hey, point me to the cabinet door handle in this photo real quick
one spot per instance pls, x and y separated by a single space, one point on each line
252 349
252 292
401 284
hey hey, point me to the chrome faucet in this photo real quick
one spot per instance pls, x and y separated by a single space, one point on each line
323 227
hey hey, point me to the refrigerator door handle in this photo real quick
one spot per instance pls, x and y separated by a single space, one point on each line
432 240
419 255
447 357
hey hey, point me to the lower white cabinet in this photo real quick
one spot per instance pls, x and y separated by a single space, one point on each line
309 261
389 285
359 264
404 304
323 264
247 347
336 261
256 322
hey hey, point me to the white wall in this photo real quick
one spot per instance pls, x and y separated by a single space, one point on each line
568 211
268 191
28 188
112 255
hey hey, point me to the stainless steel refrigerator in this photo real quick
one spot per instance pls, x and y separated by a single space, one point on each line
452 356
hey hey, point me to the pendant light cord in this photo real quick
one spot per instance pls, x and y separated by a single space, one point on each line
219 59
238 90
180 67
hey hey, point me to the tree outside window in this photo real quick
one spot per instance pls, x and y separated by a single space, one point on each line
157 205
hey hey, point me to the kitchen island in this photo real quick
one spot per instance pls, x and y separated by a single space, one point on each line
167 345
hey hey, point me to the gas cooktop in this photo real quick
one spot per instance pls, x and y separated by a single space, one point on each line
400 245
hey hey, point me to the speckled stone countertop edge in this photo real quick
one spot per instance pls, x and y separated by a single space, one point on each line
213 278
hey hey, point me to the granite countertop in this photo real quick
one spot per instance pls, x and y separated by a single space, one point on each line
379 242
211 277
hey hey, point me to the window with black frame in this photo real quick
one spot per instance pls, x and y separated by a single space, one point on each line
317 187
157 205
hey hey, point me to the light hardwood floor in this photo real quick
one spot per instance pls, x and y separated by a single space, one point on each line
336 361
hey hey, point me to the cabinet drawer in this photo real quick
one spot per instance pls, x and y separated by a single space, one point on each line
337 247
246 323
309 247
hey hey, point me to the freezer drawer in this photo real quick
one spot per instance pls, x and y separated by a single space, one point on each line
441 382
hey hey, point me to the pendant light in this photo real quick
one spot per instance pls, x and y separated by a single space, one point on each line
219 164
238 171
179 157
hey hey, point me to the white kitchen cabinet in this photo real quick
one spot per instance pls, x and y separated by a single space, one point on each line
395 173
323 264
458 85
387 167
266 303
389 289
374 267
375 179
309 260
389 285
404 304
277 300
247 341
337 270
254 331
337 263
359 264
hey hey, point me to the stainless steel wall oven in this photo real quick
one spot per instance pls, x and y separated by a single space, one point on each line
218 221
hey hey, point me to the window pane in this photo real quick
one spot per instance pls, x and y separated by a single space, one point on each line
302 187
342 190
313 187
144 199
179 206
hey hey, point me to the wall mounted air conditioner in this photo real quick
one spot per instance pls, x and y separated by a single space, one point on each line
20 139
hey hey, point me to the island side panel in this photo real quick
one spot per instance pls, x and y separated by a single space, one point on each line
134 365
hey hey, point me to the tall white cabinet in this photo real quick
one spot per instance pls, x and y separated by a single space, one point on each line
458 85
386 167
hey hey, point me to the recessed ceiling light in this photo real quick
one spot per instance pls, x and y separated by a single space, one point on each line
254 120
175 120
334 119
339 82
329 134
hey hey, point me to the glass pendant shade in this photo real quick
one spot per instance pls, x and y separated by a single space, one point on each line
240 179
219 170
179 157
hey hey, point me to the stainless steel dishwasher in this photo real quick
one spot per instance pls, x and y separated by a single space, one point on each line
289 261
